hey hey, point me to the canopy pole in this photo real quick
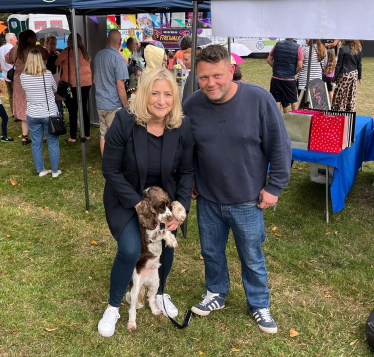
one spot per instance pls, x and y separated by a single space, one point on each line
80 107
194 43
306 92
229 46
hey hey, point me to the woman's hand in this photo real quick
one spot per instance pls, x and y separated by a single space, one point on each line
360 81
137 206
172 225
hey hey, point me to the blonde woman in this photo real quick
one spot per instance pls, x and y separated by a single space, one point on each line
347 73
39 86
66 60
148 144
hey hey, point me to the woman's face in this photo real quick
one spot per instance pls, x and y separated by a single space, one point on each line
187 60
51 45
161 100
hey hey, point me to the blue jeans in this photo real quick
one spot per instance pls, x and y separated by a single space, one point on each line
37 127
246 222
128 253
60 108
4 121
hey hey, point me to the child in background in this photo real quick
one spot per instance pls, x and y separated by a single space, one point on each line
330 71
171 55
4 123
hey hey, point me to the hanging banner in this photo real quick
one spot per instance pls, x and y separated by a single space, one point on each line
169 37
128 21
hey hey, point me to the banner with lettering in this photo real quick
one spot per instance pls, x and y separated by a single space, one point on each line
169 37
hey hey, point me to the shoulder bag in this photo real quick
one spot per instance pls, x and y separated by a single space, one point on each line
64 88
10 74
56 124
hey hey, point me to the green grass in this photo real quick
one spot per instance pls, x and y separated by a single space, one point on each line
54 283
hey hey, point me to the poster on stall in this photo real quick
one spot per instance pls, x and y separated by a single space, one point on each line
190 18
145 19
178 19
128 21
111 22
169 37
163 19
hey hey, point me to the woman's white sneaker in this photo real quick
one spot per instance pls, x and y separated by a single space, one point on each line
107 325
171 310
56 174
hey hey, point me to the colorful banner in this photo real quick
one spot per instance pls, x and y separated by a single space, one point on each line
111 23
128 21
169 37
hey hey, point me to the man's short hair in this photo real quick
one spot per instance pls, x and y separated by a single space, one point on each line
9 36
213 54
130 42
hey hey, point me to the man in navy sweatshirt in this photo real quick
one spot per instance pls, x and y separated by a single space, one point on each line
238 131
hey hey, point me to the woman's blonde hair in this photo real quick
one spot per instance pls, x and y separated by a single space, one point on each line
355 46
138 102
131 32
34 64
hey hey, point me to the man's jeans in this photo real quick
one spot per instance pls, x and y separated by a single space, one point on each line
246 222
37 127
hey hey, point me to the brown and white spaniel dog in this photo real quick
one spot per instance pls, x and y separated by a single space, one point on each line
156 208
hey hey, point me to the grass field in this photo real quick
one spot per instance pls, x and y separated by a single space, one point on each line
54 280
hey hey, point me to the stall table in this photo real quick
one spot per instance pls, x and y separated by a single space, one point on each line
346 163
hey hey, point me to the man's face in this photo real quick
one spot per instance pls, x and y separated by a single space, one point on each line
215 80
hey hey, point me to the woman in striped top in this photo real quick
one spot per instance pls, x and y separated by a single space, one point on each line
39 86
319 60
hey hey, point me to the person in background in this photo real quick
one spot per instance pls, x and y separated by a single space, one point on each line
86 82
334 45
110 75
238 131
319 60
131 33
286 59
348 71
11 41
171 55
4 123
18 56
187 54
148 144
39 86
50 45
147 37
186 43
238 76
330 71
154 58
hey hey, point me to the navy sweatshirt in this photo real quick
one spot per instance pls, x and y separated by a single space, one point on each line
235 142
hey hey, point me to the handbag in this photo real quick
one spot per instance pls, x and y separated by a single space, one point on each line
298 129
56 124
10 74
64 88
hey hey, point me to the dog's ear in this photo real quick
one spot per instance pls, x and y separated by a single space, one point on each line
147 215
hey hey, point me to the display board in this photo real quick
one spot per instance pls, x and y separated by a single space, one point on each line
318 94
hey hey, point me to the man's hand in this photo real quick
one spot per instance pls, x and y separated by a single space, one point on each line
194 193
137 206
266 200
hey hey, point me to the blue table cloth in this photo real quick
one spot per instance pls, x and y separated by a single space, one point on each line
346 163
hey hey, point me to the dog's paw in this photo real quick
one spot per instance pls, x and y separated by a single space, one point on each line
156 312
174 244
179 211
131 326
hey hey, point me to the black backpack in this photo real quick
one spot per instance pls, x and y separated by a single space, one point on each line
370 331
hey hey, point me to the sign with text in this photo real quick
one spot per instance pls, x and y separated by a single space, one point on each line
319 96
40 25
169 37
57 24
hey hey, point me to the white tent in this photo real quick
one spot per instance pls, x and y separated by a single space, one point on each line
343 19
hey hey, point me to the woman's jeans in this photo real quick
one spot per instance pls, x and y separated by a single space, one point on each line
37 127
128 253
4 121
246 222
72 105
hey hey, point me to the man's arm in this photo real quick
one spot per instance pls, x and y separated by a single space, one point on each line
270 60
299 66
122 92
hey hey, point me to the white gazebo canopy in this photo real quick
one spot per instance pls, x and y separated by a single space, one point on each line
318 19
